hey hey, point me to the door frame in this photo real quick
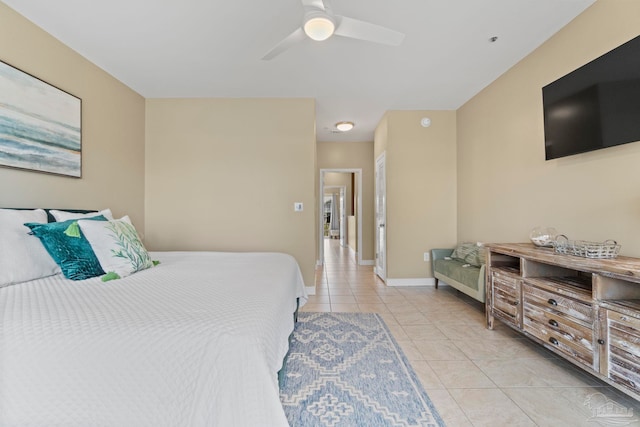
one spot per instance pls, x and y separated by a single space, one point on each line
382 274
320 231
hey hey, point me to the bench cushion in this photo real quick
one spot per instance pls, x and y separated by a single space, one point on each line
454 269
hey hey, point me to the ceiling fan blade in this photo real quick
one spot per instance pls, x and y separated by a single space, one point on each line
314 4
356 29
293 38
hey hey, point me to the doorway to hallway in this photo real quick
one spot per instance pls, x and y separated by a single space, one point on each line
350 236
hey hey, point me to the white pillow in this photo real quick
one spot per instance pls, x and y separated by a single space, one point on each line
22 256
65 216
116 245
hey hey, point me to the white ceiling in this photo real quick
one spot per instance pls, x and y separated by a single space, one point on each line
209 48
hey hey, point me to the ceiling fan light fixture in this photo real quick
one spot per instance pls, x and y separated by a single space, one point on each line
344 126
318 26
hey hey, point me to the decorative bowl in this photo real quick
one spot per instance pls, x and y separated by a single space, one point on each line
543 237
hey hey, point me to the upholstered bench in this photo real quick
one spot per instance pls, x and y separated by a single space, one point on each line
462 268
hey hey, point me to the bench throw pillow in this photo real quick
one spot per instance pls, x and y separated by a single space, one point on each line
22 257
69 248
117 246
477 257
463 250
470 253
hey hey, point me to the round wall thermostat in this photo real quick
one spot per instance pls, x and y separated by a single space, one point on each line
425 122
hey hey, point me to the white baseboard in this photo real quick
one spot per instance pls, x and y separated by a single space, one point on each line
420 281
367 262
311 290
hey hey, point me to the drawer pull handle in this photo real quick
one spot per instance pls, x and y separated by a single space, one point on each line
601 341
553 341
553 323
552 301
516 302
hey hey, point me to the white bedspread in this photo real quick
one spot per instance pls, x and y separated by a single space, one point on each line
195 341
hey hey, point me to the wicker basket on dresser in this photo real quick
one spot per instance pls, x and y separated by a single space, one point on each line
585 310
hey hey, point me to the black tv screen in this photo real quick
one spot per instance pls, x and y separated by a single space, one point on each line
595 106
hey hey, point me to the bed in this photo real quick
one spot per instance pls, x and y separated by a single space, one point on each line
195 341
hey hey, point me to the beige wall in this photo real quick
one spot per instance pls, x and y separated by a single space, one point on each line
421 188
505 186
112 129
223 174
354 155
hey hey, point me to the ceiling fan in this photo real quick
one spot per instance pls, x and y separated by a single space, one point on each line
320 23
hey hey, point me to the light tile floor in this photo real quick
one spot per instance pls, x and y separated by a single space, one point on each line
474 376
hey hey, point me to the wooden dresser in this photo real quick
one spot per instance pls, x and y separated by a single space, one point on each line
585 310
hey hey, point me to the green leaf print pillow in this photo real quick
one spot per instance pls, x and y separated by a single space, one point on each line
117 246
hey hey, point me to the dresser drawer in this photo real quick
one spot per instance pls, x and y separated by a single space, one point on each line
559 332
624 350
573 309
506 281
505 298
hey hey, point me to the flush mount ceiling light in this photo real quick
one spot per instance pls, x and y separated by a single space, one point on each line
344 126
318 25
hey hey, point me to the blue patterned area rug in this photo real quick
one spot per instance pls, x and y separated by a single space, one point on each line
345 369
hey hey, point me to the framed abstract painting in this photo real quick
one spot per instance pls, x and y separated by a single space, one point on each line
40 125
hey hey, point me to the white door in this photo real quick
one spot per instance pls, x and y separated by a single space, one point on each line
381 218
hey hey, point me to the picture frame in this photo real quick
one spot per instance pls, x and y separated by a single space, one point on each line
40 125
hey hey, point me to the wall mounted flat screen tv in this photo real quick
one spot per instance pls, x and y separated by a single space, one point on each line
595 106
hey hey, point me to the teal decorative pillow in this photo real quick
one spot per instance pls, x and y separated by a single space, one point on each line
117 247
69 248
